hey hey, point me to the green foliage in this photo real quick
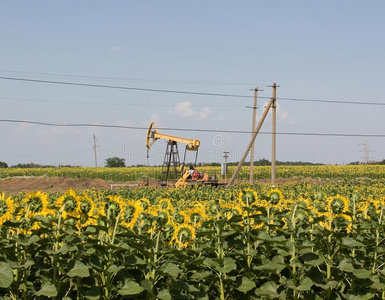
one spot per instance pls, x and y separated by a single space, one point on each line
288 247
3 164
115 162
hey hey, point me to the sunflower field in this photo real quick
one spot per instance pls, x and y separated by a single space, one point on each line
295 241
260 172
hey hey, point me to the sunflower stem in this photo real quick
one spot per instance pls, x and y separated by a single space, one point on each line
115 228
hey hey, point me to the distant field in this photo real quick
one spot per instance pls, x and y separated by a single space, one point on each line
138 173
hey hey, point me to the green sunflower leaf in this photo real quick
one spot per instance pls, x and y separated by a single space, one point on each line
246 285
6 275
48 289
267 289
79 269
130 288
172 270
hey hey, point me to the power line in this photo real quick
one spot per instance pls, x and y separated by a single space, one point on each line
122 87
104 78
195 130
332 101
110 103
188 92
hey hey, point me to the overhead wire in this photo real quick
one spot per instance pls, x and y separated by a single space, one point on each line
109 103
122 87
193 129
104 78
187 92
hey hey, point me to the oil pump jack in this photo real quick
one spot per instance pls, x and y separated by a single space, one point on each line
174 172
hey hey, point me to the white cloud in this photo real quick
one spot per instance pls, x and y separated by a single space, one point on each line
219 118
282 115
156 118
185 110
116 48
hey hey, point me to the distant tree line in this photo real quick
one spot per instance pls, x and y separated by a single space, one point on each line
31 165
264 162
116 162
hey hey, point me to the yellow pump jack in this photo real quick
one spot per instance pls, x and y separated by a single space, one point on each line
175 173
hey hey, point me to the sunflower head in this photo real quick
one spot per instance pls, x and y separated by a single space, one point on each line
165 204
131 213
163 218
145 203
87 205
181 217
112 206
247 197
183 236
7 208
69 204
275 196
343 222
197 215
36 203
337 204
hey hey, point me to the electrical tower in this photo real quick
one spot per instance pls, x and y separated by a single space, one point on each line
365 152
96 158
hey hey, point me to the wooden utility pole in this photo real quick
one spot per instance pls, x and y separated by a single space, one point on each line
273 133
96 159
252 132
251 142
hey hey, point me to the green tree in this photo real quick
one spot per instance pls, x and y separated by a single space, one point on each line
115 162
3 164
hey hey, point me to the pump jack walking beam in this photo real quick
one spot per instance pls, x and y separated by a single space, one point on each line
272 100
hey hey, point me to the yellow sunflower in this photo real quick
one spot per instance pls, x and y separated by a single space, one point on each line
181 216
7 208
145 203
165 204
36 203
88 211
213 208
344 222
276 199
231 209
112 206
197 215
131 213
69 204
247 197
184 235
337 204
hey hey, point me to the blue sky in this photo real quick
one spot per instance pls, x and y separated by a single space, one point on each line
331 50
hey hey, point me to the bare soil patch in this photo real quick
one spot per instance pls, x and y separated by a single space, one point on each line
53 184
61 184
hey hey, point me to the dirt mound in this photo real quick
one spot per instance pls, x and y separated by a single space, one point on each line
60 184
53 184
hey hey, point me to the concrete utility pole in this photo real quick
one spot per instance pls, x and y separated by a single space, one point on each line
251 142
273 133
225 155
252 132
96 159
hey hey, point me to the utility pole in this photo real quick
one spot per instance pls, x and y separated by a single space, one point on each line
96 159
252 132
273 133
225 155
251 142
